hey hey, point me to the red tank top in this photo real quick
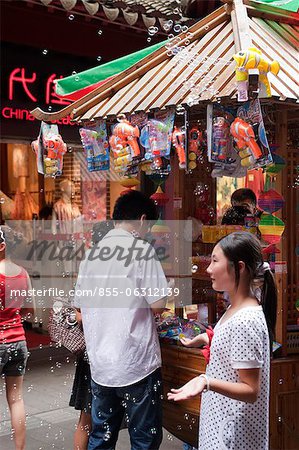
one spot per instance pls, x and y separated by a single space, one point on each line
11 328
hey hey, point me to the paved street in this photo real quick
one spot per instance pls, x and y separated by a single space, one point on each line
50 421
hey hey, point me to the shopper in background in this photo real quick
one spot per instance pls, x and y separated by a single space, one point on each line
235 388
247 198
120 332
13 348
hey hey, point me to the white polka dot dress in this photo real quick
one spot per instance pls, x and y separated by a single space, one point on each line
240 342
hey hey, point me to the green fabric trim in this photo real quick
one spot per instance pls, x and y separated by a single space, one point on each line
88 77
288 5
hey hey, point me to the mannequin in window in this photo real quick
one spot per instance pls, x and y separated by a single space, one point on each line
66 215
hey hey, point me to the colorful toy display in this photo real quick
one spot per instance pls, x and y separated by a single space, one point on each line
96 147
49 149
253 59
244 136
178 140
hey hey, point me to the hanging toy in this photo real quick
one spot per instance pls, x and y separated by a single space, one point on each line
194 146
128 134
253 59
55 148
221 139
96 146
244 136
154 138
124 145
49 149
178 140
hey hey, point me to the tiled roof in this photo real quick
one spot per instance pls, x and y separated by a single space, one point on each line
131 10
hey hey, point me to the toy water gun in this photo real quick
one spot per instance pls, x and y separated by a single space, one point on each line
90 141
244 136
128 134
178 140
221 139
195 140
253 59
55 148
118 146
154 138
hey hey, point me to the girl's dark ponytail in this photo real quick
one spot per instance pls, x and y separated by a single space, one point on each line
269 302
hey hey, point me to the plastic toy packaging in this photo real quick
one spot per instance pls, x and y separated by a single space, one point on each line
253 59
156 135
195 146
220 143
124 144
250 136
49 149
95 142
178 140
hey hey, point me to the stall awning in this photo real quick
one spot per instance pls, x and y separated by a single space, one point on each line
162 79
79 84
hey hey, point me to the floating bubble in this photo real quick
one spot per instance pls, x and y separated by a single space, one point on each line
177 28
50 108
149 39
180 110
2 201
194 268
99 58
168 25
184 28
45 51
100 32
71 17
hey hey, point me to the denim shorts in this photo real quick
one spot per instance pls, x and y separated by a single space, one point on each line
13 358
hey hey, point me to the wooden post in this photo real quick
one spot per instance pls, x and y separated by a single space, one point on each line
281 185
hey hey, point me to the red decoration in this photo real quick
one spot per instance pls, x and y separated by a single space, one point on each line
159 197
270 201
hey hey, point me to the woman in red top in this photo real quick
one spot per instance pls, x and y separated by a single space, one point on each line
13 349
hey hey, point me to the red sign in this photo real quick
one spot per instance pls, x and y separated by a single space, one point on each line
21 78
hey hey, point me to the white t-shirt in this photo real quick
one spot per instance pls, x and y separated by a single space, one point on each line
119 328
240 342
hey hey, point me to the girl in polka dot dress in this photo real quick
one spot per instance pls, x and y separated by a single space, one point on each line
234 411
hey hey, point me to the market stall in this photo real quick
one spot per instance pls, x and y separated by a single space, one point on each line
189 85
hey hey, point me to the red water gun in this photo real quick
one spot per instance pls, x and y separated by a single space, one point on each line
244 136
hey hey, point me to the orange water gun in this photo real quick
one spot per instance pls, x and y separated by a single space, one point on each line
178 140
129 134
244 136
55 149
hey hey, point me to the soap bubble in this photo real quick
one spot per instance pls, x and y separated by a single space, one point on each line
71 17
99 58
100 32
45 51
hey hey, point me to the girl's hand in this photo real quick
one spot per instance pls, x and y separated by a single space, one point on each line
188 342
191 389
